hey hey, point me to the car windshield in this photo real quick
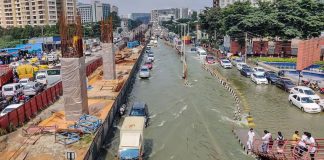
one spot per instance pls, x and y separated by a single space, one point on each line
8 89
288 82
309 92
7 110
151 55
306 100
260 70
272 75
259 76
210 58
245 66
24 81
226 61
41 77
137 112
247 69
144 69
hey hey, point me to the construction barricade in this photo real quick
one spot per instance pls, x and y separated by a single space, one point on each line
41 101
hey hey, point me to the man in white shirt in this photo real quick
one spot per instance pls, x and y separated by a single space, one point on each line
265 141
307 143
251 135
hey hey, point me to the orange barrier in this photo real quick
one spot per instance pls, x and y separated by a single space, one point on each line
39 102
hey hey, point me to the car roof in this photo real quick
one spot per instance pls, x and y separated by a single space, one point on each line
303 87
11 84
259 68
301 95
15 105
23 79
144 67
258 73
139 105
31 83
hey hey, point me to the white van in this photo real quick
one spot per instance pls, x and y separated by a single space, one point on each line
201 53
11 89
50 76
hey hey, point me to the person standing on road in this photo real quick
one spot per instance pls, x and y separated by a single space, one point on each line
250 140
294 139
265 141
281 142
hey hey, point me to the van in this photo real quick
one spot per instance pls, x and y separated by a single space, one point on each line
41 77
201 53
11 89
50 76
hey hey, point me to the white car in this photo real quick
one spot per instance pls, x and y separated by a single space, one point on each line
87 53
144 72
259 69
150 57
306 91
259 78
304 103
10 108
226 63
239 66
52 57
24 81
237 61
41 77
11 89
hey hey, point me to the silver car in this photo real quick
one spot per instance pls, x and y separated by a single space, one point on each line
144 72
32 88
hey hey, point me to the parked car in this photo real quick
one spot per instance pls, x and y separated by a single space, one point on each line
24 81
87 53
285 84
210 59
150 57
33 88
140 109
10 108
12 89
259 69
246 72
236 61
149 64
271 76
239 66
144 72
259 78
306 91
226 64
304 103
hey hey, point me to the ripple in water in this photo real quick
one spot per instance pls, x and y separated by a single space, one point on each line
161 124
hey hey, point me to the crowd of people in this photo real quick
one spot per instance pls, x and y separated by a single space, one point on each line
299 144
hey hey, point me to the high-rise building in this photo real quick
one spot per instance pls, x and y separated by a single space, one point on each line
94 12
114 9
69 7
224 3
165 14
184 13
144 17
19 13
215 3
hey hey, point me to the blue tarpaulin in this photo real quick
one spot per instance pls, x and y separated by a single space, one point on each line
37 47
129 154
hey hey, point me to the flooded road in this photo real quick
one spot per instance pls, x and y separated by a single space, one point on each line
195 122
270 107
187 122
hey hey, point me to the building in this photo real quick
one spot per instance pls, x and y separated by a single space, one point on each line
114 9
144 17
224 3
184 13
160 15
94 12
215 3
21 13
69 7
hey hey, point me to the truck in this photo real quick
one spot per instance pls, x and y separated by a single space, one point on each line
131 146
6 74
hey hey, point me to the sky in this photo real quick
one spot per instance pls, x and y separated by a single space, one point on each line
145 6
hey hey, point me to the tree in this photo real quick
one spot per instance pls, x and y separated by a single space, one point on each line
194 16
116 20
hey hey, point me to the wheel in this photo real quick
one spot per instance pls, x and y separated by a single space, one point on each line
302 109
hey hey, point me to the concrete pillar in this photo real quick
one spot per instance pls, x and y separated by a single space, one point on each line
74 88
109 64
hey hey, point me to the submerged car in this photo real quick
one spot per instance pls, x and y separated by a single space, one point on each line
259 78
240 66
33 88
305 91
210 59
236 61
226 64
150 57
149 64
285 84
140 109
304 103
271 76
246 72
144 72
259 69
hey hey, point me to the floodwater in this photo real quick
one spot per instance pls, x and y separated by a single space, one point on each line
195 122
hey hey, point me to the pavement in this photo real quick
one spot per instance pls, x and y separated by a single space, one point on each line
43 146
